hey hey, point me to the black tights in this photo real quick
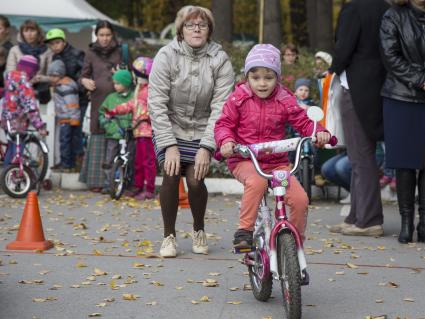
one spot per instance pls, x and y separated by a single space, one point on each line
169 200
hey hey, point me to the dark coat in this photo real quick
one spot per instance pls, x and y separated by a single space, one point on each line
73 60
7 46
98 65
403 53
357 52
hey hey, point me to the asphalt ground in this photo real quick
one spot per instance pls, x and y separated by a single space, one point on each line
105 264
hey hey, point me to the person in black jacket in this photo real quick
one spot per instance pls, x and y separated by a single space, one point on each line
5 46
403 51
73 60
358 64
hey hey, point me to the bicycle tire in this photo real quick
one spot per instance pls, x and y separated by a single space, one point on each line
6 177
38 161
261 287
117 179
290 276
306 176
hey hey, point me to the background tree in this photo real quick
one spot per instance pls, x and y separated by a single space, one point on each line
319 24
272 23
223 15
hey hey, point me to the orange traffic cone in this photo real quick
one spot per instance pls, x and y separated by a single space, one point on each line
30 235
183 198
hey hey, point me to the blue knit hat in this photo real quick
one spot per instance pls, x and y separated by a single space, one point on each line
302 82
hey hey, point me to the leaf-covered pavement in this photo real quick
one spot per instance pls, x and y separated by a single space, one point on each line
105 264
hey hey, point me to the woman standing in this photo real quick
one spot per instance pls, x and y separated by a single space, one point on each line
403 50
101 61
189 82
31 42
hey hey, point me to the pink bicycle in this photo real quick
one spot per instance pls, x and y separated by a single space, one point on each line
277 251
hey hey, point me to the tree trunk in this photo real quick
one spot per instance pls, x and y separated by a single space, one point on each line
299 22
319 24
223 15
272 23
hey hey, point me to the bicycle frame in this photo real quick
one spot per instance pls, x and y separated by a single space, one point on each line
279 181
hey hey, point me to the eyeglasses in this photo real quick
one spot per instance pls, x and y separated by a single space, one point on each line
191 26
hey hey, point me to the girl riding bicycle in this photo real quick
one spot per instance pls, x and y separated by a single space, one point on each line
20 107
256 112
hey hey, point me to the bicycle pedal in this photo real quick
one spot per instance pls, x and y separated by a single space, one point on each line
243 250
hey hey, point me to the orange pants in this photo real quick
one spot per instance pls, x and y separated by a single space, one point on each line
254 188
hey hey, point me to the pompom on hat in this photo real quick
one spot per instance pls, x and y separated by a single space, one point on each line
29 65
263 55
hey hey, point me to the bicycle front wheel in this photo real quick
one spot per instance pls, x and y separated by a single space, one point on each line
290 277
17 183
35 158
117 179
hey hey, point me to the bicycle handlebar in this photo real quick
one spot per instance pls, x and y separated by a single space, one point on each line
246 151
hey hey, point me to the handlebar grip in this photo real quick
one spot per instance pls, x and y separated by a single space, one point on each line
217 156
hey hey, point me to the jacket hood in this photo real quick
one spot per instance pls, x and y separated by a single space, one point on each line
211 48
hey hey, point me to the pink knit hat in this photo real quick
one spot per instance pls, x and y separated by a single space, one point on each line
29 65
263 55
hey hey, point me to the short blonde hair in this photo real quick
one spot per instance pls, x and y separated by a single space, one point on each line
191 12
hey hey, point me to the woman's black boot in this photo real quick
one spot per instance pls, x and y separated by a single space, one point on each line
421 225
406 182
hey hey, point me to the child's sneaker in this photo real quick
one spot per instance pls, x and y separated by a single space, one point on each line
145 196
132 191
243 238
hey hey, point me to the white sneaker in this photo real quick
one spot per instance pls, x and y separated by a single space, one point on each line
168 247
199 245
346 200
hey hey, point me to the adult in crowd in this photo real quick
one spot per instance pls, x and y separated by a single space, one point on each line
190 80
31 42
290 69
5 46
358 64
102 59
403 46
73 60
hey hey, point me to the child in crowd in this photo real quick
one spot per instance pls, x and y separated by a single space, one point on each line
123 93
240 122
67 110
302 93
20 107
144 162
322 62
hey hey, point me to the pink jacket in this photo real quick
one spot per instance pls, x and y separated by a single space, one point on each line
248 119
139 107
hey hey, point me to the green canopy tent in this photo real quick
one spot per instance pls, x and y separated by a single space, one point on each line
76 17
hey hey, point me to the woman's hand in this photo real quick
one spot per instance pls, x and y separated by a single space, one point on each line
202 163
89 84
322 138
226 149
172 161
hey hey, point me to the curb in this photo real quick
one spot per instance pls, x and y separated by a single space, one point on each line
69 181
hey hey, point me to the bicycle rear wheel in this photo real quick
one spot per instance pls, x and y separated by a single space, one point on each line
260 277
15 183
117 184
35 158
290 277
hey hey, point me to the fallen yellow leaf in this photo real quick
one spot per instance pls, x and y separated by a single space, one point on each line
129 297
234 302
205 299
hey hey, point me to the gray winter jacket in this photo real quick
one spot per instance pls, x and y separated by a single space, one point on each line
187 90
67 108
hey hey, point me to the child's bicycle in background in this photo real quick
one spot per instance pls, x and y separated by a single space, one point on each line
120 172
28 166
277 251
